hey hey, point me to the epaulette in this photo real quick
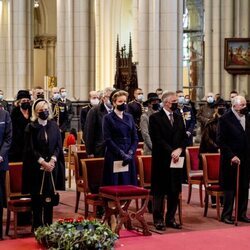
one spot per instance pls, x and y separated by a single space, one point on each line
86 106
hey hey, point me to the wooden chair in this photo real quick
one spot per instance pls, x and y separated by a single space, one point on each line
194 175
16 201
211 167
70 159
78 176
144 170
122 196
92 170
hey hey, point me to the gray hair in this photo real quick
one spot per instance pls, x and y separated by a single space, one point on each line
238 100
166 95
108 90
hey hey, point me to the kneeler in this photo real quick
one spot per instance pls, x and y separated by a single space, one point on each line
122 196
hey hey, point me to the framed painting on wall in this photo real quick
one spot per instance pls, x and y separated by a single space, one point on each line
237 55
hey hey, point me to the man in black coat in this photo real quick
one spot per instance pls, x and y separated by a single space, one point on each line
5 142
168 135
233 138
93 135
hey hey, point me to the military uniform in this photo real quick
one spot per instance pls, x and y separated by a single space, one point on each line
60 116
189 121
70 112
5 105
136 109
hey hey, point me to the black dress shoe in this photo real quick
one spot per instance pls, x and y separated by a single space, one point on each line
228 221
174 225
244 219
160 226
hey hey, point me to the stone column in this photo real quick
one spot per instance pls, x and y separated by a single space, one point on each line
16 51
226 32
171 44
73 56
208 46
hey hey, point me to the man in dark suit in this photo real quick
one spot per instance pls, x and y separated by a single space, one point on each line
93 102
5 142
233 138
135 108
93 136
168 135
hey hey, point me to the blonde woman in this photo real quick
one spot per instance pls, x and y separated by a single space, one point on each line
42 152
121 141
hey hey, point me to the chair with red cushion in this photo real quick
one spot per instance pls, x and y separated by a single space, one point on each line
16 201
122 196
78 155
211 167
92 170
194 175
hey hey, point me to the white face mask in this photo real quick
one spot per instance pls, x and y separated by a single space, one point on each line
210 99
181 100
1 97
63 94
56 96
140 98
94 102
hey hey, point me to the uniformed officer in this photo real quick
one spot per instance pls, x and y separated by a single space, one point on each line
59 111
69 106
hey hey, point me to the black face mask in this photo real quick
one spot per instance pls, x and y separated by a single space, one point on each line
41 96
122 107
244 111
43 115
25 105
221 111
174 106
156 106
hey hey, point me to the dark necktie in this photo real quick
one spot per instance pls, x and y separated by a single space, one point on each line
171 118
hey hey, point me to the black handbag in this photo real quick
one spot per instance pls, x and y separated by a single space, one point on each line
51 199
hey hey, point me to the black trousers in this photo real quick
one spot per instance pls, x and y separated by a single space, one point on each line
41 215
2 199
158 207
229 203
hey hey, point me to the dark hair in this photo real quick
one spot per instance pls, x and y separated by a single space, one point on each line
73 132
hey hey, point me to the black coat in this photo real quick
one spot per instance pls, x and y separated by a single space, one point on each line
5 138
83 115
93 136
35 147
119 134
165 138
19 123
233 141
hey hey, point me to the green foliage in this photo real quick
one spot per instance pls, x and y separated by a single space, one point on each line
71 234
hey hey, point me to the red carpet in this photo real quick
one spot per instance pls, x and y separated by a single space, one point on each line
229 239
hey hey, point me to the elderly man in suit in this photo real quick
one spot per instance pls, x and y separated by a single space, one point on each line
168 135
5 142
93 135
233 136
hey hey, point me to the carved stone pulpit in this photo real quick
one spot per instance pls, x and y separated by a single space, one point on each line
126 72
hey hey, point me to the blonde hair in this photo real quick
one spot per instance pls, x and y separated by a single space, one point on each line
38 104
118 94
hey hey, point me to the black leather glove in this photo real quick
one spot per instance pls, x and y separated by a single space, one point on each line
126 158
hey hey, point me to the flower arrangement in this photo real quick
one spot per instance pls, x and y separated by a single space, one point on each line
71 234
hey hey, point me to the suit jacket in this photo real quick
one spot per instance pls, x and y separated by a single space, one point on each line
93 136
83 115
5 138
165 138
233 141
